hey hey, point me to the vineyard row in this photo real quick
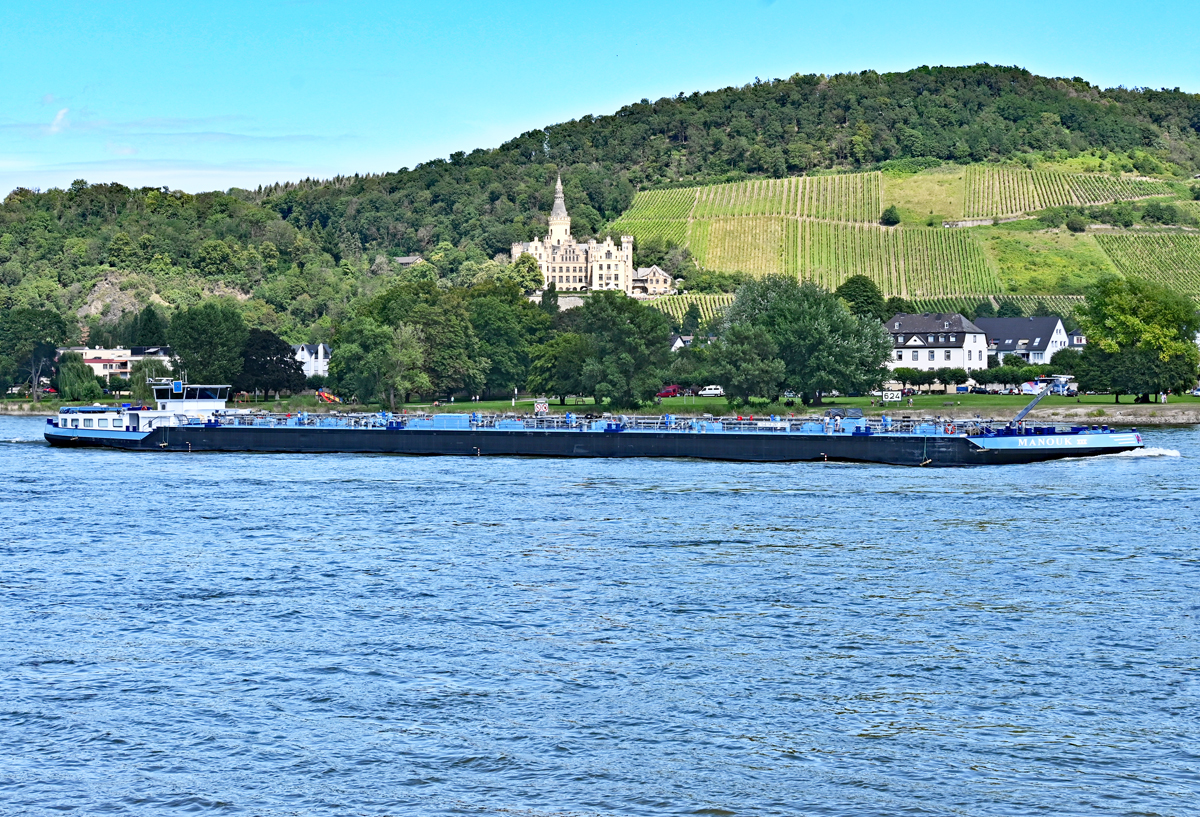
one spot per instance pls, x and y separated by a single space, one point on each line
1171 259
1004 191
848 197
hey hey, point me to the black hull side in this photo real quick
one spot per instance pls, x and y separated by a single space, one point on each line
730 446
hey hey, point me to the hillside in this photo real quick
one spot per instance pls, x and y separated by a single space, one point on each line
964 231
784 175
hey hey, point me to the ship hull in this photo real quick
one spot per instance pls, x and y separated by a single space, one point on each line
913 450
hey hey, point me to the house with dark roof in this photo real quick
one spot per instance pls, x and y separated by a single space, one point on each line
1078 340
313 358
936 340
1034 339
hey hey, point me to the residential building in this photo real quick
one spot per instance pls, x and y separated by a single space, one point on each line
936 341
1034 339
681 342
651 280
406 261
576 266
1077 340
118 361
313 357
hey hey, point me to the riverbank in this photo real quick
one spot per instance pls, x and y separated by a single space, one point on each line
1121 414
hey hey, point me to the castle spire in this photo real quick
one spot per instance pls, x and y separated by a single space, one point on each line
560 207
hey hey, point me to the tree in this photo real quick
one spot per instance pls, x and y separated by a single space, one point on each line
140 372
1125 312
556 366
1135 321
454 358
690 324
629 351
1005 375
1093 370
75 379
985 310
208 341
30 336
1077 223
890 217
923 377
8 375
269 365
403 367
745 362
525 273
824 346
906 376
356 367
1009 309
1144 372
1015 360
215 259
495 314
864 298
549 301
150 328
1064 361
952 376
899 306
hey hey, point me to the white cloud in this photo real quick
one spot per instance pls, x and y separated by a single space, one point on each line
60 121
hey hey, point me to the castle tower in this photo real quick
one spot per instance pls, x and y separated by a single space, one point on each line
560 222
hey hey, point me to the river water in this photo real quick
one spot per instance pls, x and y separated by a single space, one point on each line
278 635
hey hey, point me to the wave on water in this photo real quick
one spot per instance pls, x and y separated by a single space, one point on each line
1149 452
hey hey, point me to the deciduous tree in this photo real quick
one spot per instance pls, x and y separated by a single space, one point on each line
269 364
745 362
824 346
864 298
629 349
208 341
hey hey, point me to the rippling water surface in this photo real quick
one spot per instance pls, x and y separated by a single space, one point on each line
271 635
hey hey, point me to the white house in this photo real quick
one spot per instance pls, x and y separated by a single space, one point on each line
936 341
1033 339
118 361
314 358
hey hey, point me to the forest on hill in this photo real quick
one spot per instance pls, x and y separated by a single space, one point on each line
299 256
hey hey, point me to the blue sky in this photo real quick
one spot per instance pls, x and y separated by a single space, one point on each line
210 95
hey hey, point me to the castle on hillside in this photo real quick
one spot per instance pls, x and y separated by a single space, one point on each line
577 267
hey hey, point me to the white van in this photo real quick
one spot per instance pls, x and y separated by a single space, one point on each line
711 391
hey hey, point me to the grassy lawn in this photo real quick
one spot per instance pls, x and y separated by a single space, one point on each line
1041 263
939 191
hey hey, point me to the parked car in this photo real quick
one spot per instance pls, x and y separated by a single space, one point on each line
789 393
978 390
673 390
712 391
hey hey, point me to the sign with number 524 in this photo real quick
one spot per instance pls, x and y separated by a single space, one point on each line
891 396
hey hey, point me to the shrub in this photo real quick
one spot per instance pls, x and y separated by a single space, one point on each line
890 217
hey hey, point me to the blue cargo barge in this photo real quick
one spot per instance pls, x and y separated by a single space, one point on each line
195 418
